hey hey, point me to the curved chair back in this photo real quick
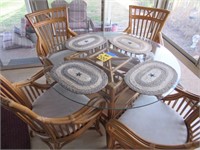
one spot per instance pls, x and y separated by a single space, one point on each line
52 29
146 22
8 90
184 103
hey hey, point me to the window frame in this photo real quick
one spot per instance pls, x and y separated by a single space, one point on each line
181 54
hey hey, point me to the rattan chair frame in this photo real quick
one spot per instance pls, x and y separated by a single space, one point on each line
52 30
184 103
147 22
55 132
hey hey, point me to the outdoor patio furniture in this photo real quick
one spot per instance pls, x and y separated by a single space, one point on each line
172 123
52 29
146 22
78 19
54 118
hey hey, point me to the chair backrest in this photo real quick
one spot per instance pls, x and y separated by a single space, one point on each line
8 90
146 22
52 29
59 3
77 11
184 103
37 5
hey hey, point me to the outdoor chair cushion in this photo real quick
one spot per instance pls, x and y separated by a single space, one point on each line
13 40
156 123
58 57
53 104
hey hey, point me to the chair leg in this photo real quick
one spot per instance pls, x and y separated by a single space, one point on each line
109 142
31 133
97 127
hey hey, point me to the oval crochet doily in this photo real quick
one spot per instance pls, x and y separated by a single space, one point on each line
151 78
80 77
85 42
131 44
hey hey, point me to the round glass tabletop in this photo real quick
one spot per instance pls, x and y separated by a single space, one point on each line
117 94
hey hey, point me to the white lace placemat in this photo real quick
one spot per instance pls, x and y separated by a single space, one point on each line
151 78
85 42
131 44
80 77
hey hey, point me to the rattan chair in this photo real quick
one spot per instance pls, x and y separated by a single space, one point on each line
173 123
53 117
52 29
146 22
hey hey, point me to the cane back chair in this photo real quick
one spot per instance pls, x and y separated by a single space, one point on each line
53 117
155 133
52 29
146 22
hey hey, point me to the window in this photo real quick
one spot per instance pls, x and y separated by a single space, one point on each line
11 13
183 27
117 11
14 50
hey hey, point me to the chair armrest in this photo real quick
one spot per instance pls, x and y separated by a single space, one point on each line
81 116
183 102
160 39
34 80
127 30
72 33
120 136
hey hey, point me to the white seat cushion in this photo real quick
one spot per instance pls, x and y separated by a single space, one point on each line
155 123
53 104
58 57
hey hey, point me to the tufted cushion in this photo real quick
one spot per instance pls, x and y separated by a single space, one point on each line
58 57
53 104
59 3
155 123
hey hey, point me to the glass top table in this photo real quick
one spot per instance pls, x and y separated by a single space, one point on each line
112 82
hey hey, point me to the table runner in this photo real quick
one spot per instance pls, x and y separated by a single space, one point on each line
151 78
80 77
